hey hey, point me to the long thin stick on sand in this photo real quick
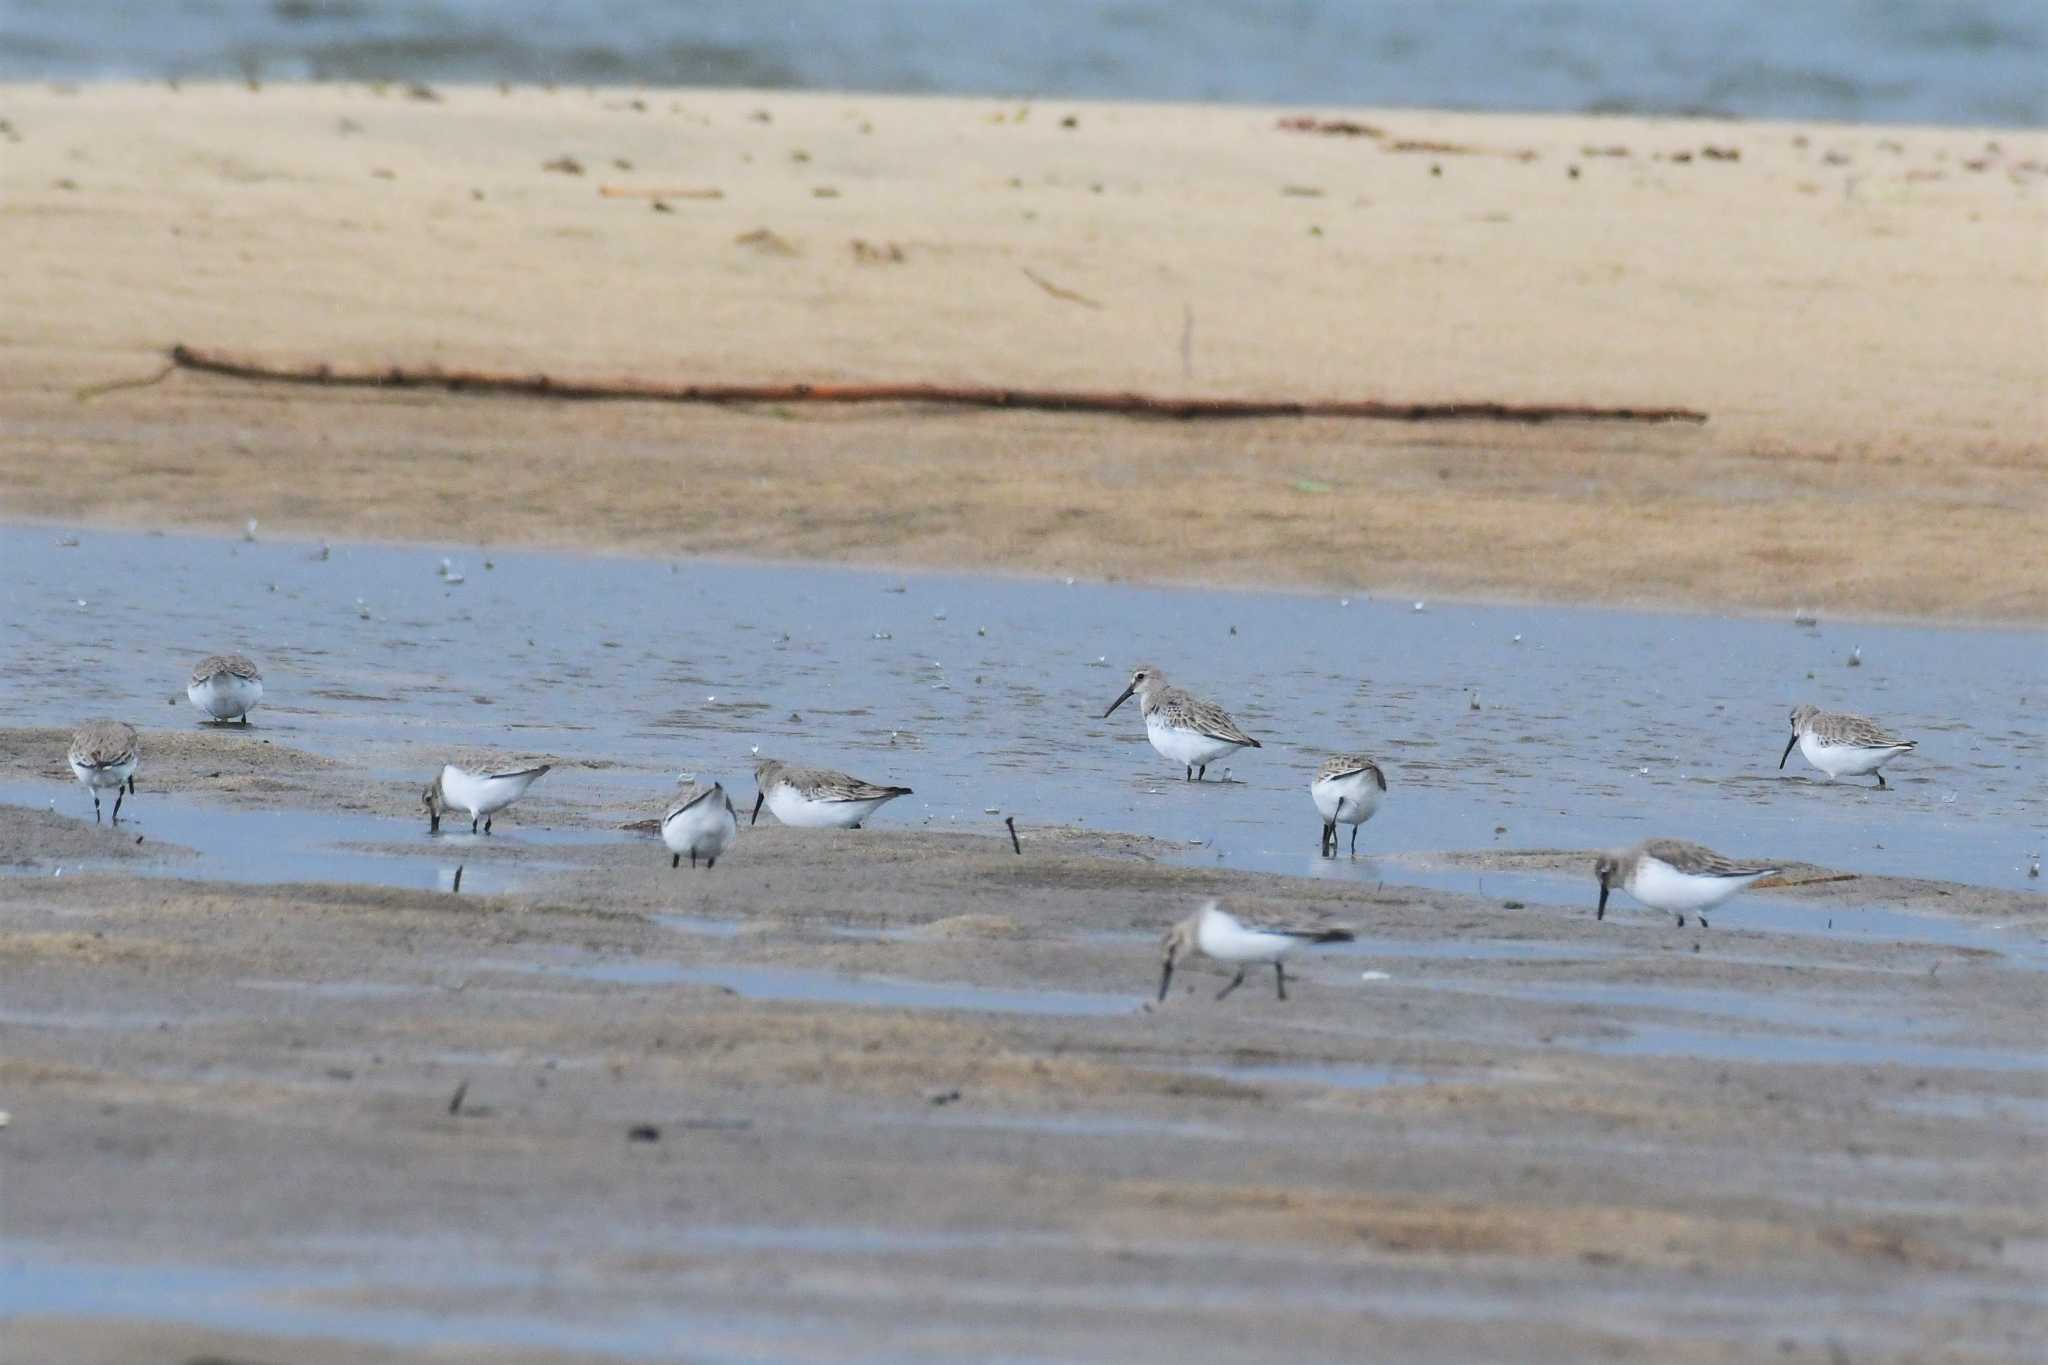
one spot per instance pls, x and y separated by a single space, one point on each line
944 395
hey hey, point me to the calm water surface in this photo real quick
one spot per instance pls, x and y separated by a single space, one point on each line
1945 61
986 695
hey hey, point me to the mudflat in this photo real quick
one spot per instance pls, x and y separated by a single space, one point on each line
908 1093
1856 309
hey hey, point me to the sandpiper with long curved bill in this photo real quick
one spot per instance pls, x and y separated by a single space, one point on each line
1182 727
1675 876
482 795
1841 744
226 687
1244 941
702 823
818 798
1347 789
105 753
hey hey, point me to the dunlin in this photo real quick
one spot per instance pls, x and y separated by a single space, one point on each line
1184 728
1841 744
1675 876
226 687
481 794
1347 790
701 823
104 753
1243 941
818 798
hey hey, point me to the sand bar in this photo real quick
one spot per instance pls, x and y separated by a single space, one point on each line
1859 309
907 1088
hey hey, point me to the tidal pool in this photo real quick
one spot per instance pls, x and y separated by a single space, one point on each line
1500 726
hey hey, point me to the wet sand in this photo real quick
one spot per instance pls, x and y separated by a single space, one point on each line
1857 309
904 1094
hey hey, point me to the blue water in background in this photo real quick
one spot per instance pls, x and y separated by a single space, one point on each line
1939 61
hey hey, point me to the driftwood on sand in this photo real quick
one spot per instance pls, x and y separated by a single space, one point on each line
944 395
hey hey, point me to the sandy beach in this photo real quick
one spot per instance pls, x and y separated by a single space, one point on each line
284 1078
913 1085
1857 310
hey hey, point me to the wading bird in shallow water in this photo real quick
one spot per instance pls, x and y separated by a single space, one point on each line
1674 876
1243 942
1184 728
1347 790
1841 744
226 687
481 794
817 798
701 823
105 753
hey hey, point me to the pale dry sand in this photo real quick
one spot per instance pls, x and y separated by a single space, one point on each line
1859 309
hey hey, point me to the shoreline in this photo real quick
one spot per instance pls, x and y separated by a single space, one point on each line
1872 367
302 538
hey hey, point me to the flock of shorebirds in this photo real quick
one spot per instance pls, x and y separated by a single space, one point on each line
1672 875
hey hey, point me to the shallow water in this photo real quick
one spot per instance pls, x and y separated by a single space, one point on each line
1903 60
985 694
273 844
833 988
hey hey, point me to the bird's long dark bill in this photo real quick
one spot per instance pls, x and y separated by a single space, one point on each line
1121 698
1788 750
1601 913
1165 978
759 797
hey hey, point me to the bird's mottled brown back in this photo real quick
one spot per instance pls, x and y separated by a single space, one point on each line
1184 711
1695 859
823 784
1344 765
99 743
240 665
1842 727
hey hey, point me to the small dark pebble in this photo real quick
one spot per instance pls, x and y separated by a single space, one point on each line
643 1132
1070 121
1512 905
943 1096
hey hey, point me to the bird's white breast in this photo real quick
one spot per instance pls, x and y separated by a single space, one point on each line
225 696
1352 798
1225 939
1843 760
111 776
1185 746
1661 886
705 829
792 807
482 794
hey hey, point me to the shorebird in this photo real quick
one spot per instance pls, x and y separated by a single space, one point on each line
1242 941
226 687
701 823
1347 790
1192 732
818 798
1841 744
1675 876
104 753
481 794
